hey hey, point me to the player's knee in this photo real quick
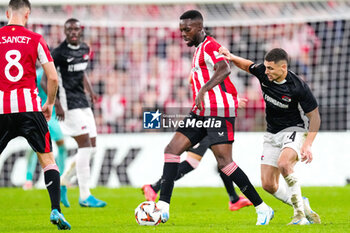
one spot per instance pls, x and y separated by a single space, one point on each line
170 149
284 167
269 187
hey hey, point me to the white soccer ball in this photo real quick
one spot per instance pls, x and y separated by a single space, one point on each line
147 214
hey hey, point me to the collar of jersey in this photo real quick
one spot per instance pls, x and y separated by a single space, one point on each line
279 83
73 46
11 25
205 37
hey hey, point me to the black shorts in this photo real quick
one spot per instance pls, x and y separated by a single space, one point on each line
218 130
30 125
201 147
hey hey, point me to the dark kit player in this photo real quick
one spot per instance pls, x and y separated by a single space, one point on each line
291 110
72 109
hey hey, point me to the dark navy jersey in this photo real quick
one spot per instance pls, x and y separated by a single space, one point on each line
71 62
286 102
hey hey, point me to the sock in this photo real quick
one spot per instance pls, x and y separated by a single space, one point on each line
93 152
170 169
52 182
184 168
32 161
295 191
61 157
83 171
156 186
241 180
261 207
69 173
283 194
229 187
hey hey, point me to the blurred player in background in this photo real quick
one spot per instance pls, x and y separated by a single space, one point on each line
288 99
56 135
215 100
72 109
194 156
21 113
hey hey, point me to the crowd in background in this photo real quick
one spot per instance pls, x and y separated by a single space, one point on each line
133 68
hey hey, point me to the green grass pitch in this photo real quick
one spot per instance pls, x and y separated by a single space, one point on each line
192 210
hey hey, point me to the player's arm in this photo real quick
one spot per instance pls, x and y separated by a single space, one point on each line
88 87
222 70
51 87
240 62
314 126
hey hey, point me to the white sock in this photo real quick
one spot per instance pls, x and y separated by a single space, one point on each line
261 207
69 173
295 191
283 194
164 206
93 152
83 171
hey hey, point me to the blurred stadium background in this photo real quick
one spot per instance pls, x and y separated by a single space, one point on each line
139 60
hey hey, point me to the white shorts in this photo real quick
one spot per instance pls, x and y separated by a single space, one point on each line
79 121
292 137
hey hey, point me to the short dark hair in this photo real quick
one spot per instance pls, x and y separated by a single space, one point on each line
192 14
276 55
18 4
71 20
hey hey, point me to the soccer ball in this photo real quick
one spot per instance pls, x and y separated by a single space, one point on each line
147 214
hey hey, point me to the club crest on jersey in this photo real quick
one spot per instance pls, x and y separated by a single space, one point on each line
151 120
86 56
286 98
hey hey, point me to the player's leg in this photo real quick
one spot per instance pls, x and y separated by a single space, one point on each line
69 172
33 127
31 165
83 172
58 137
178 144
292 140
194 156
286 163
186 166
236 202
223 155
62 155
270 183
221 140
52 182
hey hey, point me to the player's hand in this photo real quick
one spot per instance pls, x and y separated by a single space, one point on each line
224 51
59 111
94 97
199 99
47 111
306 153
242 102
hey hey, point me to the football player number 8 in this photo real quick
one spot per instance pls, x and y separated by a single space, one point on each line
13 62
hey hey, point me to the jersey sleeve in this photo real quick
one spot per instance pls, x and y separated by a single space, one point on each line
257 70
306 99
212 50
56 57
44 55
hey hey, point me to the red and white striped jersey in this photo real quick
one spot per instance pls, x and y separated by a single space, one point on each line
222 99
19 50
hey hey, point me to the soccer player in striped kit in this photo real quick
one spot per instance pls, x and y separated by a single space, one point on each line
21 113
215 105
